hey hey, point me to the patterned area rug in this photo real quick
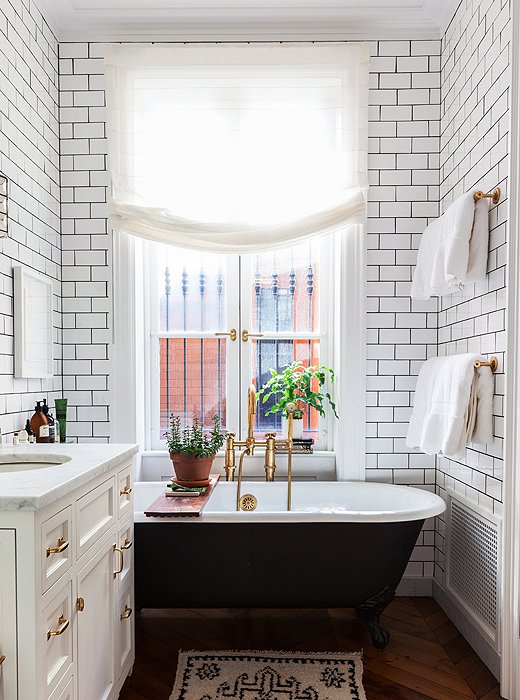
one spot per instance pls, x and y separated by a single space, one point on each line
268 675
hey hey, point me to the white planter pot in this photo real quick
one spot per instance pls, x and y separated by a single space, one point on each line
297 428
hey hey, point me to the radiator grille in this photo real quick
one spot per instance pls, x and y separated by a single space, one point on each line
473 563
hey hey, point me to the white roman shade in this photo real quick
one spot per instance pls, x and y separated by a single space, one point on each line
237 147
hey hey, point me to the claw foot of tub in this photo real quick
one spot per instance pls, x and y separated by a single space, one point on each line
370 611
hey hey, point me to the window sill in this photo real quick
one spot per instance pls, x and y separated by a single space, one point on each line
154 465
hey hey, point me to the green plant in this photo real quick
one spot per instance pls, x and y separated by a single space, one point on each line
192 440
298 384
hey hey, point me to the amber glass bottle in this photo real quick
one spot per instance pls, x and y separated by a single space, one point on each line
39 424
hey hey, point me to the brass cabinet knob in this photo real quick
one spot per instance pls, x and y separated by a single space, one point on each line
128 543
125 491
63 624
80 604
126 613
61 547
2 659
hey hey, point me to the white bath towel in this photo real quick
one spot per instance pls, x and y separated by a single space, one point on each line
452 406
453 249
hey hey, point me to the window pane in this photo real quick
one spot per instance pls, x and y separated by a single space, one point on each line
192 290
193 380
276 354
285 289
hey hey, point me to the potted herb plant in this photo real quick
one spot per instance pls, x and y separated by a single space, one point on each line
301 385
192 450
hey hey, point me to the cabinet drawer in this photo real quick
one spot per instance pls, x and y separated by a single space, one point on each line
95 515
55 552
55 640
125 540
125 491
125 630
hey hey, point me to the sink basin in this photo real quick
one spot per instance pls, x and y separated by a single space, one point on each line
25 461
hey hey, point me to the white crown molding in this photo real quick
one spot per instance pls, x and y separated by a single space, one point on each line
221 20
441 12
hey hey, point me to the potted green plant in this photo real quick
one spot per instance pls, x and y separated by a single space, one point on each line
192 450
299 384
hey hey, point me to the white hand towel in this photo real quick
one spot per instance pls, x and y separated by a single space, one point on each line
485 390
479 243
453 249
422 405
452 405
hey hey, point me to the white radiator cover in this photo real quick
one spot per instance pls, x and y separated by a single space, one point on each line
473 564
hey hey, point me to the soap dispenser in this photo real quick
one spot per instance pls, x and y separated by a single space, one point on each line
50 421
39 424
30 432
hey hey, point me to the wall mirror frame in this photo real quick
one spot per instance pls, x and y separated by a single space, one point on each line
33 328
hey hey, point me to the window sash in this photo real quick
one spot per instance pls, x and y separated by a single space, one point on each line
239 279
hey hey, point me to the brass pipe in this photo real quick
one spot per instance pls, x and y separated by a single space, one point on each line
229 459
239 484
251 411
270 456
290 419
290 408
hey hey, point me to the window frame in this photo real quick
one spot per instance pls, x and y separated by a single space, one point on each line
239 277
128 352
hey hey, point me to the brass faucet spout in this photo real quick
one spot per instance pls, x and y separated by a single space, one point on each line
249 445
251 409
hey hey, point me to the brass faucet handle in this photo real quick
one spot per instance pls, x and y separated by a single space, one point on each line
231 435
270 435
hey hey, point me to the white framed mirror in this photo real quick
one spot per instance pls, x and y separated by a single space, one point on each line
33 343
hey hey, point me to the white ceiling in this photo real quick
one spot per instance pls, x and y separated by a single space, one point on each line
195 20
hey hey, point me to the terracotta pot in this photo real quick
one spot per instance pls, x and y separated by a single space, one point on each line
191 471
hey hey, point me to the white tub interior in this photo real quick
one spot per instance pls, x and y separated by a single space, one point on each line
345 501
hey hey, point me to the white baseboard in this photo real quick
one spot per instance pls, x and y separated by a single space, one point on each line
415 587
468 630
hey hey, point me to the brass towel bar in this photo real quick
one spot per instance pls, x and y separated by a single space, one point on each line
494 196
493 363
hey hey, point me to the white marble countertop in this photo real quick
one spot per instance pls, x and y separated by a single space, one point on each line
32 489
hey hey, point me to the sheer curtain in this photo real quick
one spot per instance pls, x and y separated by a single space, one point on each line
237 147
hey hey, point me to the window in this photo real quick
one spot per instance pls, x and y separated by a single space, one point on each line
275 301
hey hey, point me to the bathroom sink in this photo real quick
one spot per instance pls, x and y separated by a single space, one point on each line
25 461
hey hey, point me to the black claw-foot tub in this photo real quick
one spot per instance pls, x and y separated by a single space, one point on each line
342 545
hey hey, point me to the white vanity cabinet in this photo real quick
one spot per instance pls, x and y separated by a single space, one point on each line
66 593
8 653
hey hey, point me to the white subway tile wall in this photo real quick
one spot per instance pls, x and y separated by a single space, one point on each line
476 75
403 166
29 157
86 241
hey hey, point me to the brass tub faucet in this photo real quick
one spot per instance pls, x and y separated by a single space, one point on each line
251 442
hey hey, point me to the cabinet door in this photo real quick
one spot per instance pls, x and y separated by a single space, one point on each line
95 623
125 630
8 666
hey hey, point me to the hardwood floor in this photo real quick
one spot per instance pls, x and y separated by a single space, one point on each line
426 658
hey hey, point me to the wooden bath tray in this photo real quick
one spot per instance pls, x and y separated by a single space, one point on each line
181 506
